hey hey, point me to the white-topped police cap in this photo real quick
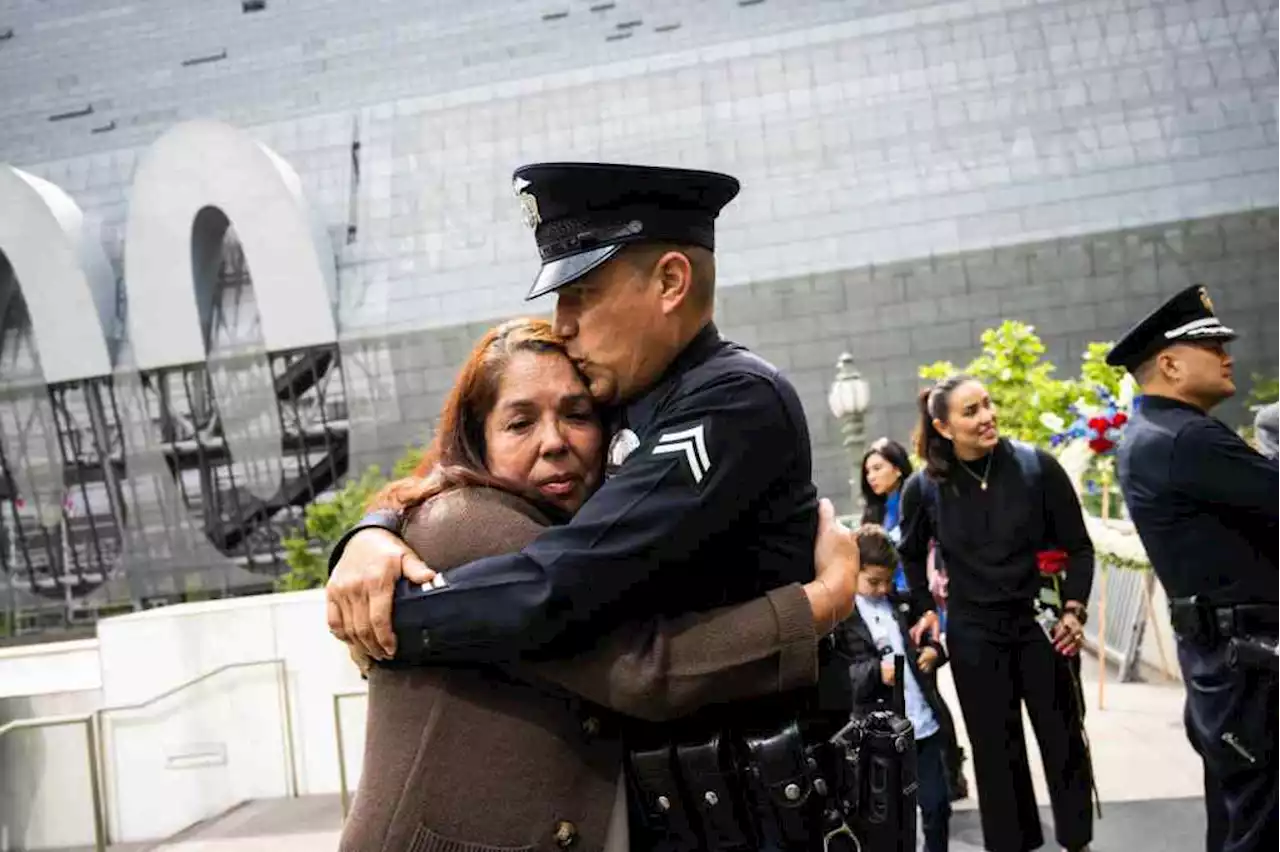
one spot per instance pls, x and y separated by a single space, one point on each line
582 214
1186 318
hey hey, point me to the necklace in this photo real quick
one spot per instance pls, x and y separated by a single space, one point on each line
986 471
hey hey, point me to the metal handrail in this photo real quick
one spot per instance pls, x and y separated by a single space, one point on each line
344 793
95 782
282 678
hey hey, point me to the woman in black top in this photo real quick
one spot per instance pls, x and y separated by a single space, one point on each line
992 505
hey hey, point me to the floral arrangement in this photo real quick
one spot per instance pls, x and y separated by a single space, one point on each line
1086 448
1099 425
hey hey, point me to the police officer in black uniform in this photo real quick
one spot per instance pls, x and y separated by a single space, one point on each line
711 502
1204 504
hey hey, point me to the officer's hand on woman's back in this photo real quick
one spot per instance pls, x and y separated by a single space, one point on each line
360 590
836 560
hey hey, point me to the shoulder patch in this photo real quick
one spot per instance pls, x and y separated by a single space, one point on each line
689 443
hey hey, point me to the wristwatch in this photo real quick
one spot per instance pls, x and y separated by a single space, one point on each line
1079 610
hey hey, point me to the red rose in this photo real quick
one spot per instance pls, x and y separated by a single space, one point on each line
1100 445
1120 419
1051 561
1098 424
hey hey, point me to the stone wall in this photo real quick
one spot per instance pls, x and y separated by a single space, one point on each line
896 317
863 132
914 171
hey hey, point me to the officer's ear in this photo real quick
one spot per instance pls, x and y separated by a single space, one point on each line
942 429
674 275
1169 366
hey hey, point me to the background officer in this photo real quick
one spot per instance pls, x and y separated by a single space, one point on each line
1204 504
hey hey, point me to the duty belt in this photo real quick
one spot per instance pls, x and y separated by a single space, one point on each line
1209 624
782 787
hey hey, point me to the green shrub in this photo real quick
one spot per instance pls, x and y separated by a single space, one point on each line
325 520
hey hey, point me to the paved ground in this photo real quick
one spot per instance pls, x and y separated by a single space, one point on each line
1148 780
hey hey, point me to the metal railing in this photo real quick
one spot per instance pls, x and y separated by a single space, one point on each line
95 780
97 749
1120 603
344 793
282 680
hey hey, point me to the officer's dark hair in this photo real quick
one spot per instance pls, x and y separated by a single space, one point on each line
896 455
1145 372
875 547
456 455
939 453
702 264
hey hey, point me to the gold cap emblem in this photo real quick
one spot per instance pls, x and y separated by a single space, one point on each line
1205 300
528 204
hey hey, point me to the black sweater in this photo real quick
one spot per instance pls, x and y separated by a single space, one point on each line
989 539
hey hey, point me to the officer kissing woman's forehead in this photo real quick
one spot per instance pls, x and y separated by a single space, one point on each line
624 321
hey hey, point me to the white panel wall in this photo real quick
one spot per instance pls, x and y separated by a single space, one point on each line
46 801
45 797
198 752
52 667
223 742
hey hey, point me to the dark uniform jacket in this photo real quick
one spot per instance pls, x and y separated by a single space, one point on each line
869 691
1203 502
716 505
481 758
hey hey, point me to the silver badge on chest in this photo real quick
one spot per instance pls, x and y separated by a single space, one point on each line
624 443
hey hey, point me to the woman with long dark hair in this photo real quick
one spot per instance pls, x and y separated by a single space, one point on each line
992 505
885 467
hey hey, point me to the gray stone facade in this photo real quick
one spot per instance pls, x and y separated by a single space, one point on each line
864 132
897 317
914 172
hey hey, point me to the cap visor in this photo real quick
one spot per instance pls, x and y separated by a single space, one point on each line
557 273
1124 355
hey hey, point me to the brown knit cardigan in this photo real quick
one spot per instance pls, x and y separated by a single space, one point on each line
478 760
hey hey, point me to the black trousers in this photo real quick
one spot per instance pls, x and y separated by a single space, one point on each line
1001 659
934 792
1231 723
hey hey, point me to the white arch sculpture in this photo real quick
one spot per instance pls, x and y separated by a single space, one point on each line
63 274
199 165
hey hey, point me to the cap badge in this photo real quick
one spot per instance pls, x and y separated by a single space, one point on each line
528 204
1205 300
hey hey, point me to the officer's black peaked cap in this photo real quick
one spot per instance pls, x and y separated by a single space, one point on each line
1186 318
582 214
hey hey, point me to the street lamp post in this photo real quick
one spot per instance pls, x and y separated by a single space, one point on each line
849 399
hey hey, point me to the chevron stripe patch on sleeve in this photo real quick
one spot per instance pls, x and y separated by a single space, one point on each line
689 443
